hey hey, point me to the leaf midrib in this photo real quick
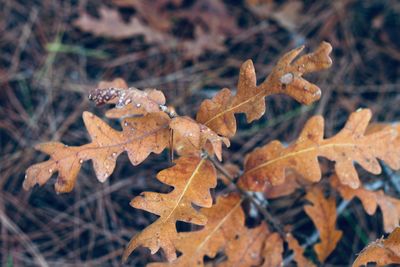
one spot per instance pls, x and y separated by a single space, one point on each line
296 153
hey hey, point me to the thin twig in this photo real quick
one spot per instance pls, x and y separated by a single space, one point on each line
267 216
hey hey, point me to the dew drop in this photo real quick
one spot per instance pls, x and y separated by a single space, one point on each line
114 154
138 105
317 93
50 170
286 78
126 123
81 161
26 176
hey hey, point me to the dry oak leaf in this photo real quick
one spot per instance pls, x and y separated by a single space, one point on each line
383 251
190 137
285 78
128 101
246 248
225 231
266 165
111 25
211 20
272 251
102 95
323 214
370 200
298 251
139 137
293 181
192 179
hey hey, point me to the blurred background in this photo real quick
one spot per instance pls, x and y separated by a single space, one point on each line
53 52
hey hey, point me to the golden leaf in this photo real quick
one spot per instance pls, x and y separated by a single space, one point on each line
192 179
285 78
323 214
224 231
140 136
267 165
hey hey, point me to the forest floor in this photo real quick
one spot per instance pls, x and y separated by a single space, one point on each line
53 52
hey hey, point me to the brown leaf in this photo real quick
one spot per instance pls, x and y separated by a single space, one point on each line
225 230
289 14
293 181
128 101
116 113
267 165
323 214
285 78
246 246
140 136
298 251
111 25
272 251
192 179
370 200
383 251
211 21
190 137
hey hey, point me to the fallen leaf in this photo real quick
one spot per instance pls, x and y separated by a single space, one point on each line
383 251
323 214
192 179
209 23
111 25
289 15
266 165
285 78
139 137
